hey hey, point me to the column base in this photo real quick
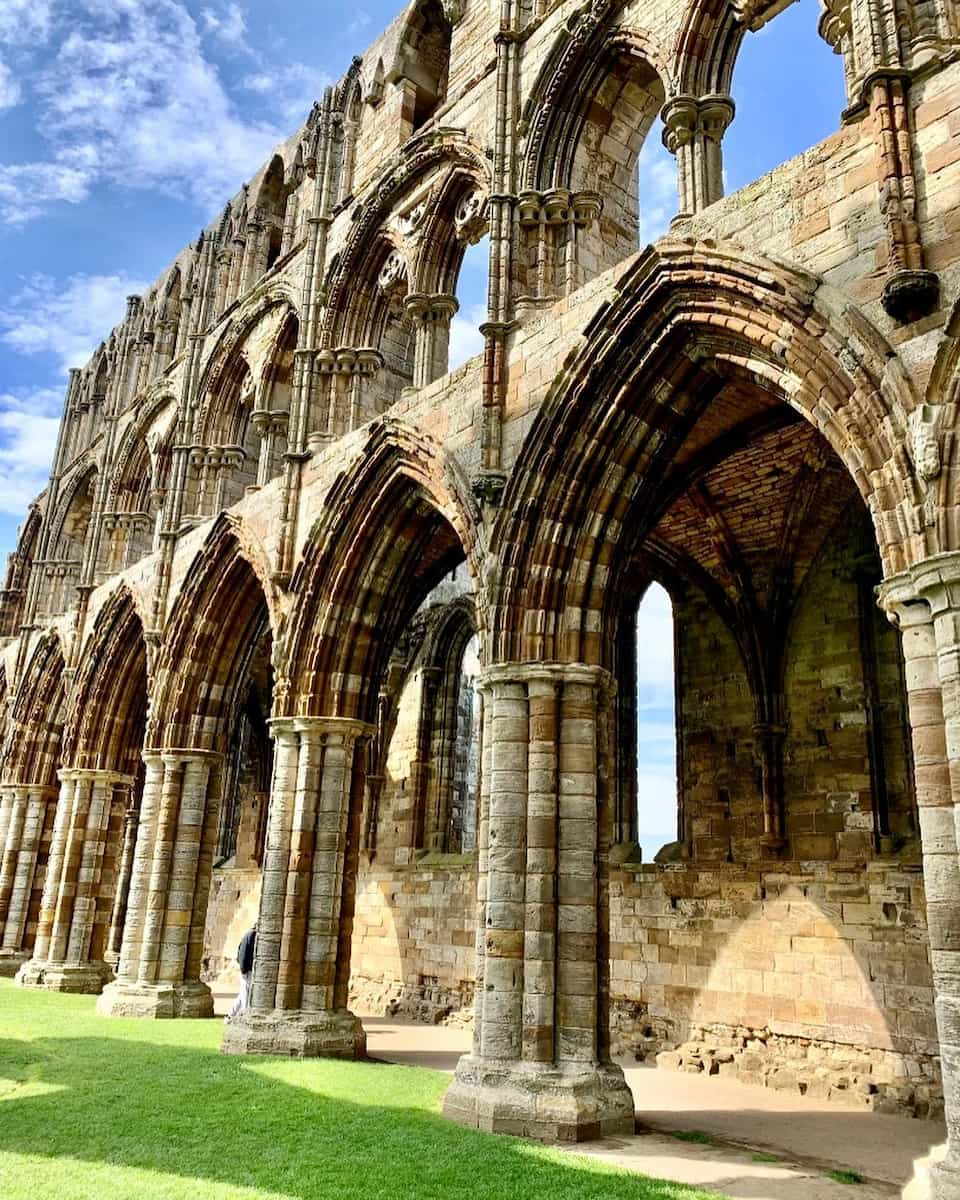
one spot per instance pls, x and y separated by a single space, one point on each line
548 1103
11 961
296 1034
86 979
156 1000
944 1174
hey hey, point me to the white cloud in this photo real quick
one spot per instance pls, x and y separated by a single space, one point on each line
28 435
229 25
25 21
657 174
129 98
66 318
466 340
10 92
656 730
291 88
27 188
360 22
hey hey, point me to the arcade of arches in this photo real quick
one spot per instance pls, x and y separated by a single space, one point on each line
310 630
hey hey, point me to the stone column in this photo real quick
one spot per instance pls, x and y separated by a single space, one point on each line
27 812
159 969
299 1003
121 895
76 891
693 133
269 426
540 1065
430 317
925 604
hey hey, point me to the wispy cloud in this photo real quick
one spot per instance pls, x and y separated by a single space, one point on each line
25 21
10 91
28 435
227 24
657 175
128 97
291 89
65 318
466 340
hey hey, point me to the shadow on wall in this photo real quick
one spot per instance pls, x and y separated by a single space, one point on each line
818 984
413 946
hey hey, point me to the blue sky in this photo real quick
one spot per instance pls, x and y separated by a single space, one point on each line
125 126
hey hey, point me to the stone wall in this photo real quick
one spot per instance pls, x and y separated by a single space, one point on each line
808 977
234 905
413 939
812 979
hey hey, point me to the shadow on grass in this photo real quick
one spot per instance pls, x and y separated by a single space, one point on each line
301 1129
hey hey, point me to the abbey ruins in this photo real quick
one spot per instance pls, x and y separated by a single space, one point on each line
308 628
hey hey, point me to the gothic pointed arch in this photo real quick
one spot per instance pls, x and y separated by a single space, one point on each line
652 364
222 610
422 59
20 564
586 120
393 524
428 156
39 712
108 701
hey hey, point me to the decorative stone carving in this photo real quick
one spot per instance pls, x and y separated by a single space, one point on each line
410 222
453 10
924 424
392 279
470 219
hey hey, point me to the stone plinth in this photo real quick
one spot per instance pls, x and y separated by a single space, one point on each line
11 961
122 999
546 1102
335 1034
86 979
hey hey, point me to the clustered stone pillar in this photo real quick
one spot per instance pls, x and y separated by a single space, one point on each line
67 957
23 813
430 317
214 465
693 132
347 381
554 225
926 606
160 958
271 426
121 895
302 962
540 1065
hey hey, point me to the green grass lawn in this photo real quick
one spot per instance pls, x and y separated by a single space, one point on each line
93 1108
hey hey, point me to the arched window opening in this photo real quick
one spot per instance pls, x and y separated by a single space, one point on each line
580 212
423 64
243 818
426 759
271 417
352 116
130 523
789 91
227 465
19 566
273 205
659 818
466 340
168 334
461 834
62 569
